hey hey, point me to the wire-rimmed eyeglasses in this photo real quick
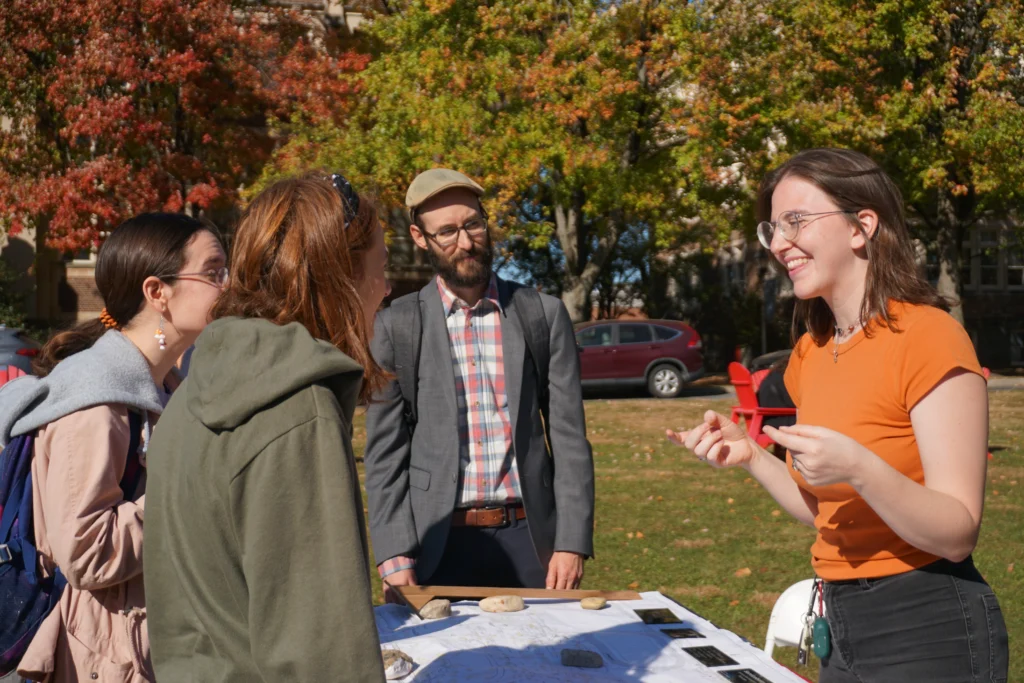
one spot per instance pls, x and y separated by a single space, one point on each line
789 223
218 277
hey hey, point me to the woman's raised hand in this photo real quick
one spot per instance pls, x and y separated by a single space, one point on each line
717 440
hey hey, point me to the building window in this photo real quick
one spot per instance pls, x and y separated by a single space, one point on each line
1014 265
988 257
992 258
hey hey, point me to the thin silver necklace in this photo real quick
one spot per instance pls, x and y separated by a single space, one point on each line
840 332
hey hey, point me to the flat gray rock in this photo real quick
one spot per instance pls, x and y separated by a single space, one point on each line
503 603
584 659
397 664
436 609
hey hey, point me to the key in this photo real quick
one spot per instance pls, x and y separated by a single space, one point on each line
806 639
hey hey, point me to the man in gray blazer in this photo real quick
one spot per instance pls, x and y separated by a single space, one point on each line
463 488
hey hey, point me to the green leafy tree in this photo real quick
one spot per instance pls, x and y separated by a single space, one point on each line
569 112
932 89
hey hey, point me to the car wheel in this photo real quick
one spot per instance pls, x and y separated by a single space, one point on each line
665 381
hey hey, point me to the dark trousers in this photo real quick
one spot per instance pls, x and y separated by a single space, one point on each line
489 556
940 623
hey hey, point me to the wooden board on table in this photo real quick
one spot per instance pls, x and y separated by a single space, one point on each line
418 596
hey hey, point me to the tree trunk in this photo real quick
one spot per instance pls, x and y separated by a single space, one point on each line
949 237
582 269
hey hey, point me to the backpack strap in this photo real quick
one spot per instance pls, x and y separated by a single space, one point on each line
537 333
132 465
407 336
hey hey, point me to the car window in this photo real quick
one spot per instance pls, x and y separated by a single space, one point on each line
665 333
634 334
600 335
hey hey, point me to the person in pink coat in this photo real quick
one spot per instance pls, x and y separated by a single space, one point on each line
159 275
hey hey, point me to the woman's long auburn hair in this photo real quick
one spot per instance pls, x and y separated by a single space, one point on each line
294 260
853 181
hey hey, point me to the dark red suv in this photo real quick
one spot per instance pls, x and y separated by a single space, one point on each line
661 354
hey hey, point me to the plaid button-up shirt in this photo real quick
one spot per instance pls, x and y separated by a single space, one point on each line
487 464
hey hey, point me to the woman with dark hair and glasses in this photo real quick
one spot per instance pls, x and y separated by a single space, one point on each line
99 389
888 458
256 553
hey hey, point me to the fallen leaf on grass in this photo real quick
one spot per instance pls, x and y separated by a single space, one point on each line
1009 568
639 534
629 534
634 585
734 603
742 573
730 501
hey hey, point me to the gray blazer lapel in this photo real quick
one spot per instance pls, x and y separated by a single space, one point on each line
436 354
513 348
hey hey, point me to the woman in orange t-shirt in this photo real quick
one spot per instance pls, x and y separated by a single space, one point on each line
888 459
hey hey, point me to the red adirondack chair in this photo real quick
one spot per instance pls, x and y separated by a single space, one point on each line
748 408
9 372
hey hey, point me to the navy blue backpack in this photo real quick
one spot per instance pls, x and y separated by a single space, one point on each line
25 597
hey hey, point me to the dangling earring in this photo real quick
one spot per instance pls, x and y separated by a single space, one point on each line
160 336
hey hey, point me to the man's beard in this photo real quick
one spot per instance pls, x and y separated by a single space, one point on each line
475 266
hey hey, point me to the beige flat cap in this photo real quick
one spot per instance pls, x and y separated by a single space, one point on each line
436 180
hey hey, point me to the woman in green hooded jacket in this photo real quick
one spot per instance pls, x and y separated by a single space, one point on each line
256 552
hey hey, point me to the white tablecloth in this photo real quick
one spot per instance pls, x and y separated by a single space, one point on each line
525 647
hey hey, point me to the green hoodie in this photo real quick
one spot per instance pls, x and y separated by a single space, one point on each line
256 564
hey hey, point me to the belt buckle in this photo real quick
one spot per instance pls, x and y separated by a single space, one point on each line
505 521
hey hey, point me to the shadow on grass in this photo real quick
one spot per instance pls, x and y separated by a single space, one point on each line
687 392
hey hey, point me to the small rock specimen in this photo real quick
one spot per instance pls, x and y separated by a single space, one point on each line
397 664
582 658
436 609
593 603
503 603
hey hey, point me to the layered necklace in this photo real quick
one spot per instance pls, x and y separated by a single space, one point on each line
841 332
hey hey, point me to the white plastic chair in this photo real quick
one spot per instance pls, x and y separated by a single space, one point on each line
787 620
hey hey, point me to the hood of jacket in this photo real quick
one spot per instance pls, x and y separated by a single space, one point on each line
241 366
113 370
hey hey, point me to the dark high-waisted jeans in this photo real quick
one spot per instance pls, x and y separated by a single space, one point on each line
937 624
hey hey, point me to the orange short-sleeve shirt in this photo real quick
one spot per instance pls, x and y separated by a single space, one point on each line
867 394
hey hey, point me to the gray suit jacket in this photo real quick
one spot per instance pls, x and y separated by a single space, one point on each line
411 480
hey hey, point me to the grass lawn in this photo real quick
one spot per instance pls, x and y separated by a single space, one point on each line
716 542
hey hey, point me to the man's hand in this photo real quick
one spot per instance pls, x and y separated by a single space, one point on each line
565 571
404 577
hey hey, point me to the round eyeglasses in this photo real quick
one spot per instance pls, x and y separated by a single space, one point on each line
449 234
218 277
789 224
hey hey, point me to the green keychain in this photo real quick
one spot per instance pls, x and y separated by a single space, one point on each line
821 634
822 638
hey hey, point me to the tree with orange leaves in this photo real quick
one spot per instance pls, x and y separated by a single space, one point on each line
113 107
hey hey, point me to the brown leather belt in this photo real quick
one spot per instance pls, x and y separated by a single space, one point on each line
488 517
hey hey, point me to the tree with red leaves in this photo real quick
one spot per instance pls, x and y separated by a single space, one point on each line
113 107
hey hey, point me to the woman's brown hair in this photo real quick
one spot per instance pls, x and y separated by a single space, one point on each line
150 244
854 182
296 259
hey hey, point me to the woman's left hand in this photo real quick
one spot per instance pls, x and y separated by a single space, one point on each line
822 456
